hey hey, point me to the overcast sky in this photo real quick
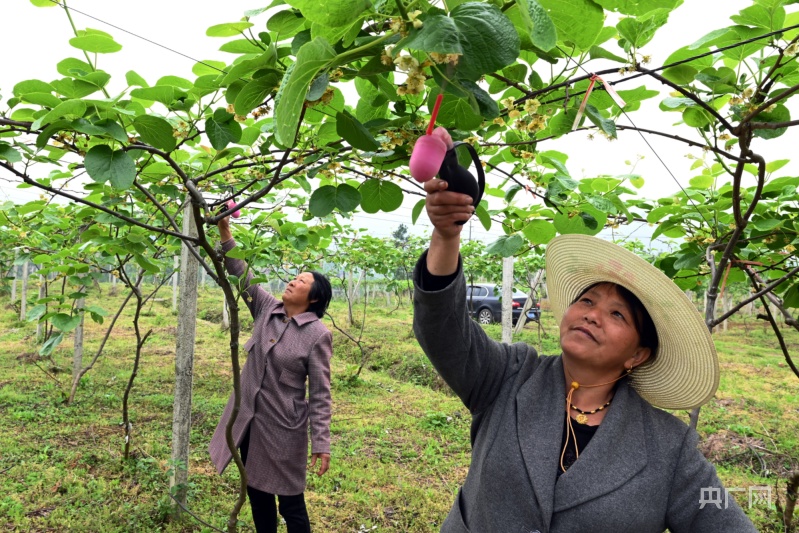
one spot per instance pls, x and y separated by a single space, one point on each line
34 40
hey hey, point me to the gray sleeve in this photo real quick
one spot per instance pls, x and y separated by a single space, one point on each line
473 365
698 502
255 296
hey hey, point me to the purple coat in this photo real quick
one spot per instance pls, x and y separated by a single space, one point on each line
281 354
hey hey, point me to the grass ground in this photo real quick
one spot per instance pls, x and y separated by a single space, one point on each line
400 440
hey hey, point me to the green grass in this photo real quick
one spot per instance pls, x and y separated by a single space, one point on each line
400 440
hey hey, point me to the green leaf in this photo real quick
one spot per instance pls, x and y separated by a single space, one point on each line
689 261
380 195
684 74
166 94
439 34
104 164
96 310
36 312
791 297
417 210
68 109
43 3
482 215
31 86
112 129
41 99
486 105
456 112
229 29
758 15
505 246
638 7
311 58
146 264
539 231
779 114
326 133
538 24
589 221
637 32
51 344
481 32
702 182
255 92
134 80
318 87
767 224
236 253
285 23
239 46
331 13
72 88
597 52
65 322
776 165
605 124
156 132
73 67
9 154
222 130
354 132
325 199
96 44
577 21
697 117
373 103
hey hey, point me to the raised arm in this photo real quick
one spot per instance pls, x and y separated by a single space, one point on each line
472 364
255 296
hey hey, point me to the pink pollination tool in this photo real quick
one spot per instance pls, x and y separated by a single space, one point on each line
230 205
429 150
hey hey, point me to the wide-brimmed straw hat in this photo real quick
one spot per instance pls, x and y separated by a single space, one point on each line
685 372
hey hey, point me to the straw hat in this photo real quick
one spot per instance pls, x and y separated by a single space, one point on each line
685 372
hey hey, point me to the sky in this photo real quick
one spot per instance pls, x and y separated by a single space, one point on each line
34 40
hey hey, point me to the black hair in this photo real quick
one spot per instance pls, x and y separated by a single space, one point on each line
321 292
647 333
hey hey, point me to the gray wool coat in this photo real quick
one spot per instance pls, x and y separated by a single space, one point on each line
281 355
640 473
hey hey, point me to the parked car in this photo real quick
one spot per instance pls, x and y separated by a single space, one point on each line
485 304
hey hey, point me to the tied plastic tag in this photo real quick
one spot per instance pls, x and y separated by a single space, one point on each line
611 91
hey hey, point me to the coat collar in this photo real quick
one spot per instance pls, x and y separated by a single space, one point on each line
301 319
603 466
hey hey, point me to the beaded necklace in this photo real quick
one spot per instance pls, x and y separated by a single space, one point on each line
582 418
569 428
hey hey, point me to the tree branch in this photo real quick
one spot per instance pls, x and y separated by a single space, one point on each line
79 200
689 95
774 326
773 125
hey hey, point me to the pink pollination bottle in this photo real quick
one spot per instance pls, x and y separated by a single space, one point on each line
231 204
429 150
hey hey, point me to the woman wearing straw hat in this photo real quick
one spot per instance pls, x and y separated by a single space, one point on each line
576 442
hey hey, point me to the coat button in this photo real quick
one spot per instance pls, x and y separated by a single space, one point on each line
271 340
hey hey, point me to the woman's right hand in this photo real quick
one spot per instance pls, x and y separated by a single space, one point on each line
224 229
445 208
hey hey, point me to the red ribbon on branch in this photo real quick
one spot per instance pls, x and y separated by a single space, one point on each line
612 92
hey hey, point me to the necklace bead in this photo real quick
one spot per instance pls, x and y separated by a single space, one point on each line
588 412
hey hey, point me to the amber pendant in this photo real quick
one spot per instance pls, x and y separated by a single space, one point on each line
582 419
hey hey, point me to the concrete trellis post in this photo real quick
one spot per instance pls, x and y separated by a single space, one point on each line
184 364
507 299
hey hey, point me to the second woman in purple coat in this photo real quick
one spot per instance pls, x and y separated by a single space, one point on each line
288 345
